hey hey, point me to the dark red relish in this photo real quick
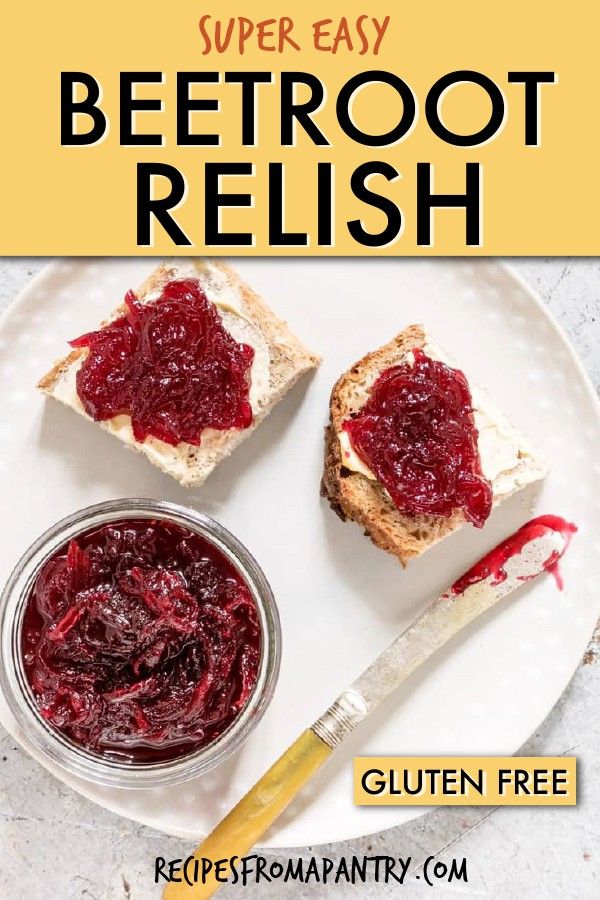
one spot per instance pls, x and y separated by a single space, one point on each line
170 365
140 641
417 434
492 565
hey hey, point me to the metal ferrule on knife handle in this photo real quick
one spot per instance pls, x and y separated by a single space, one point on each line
341 718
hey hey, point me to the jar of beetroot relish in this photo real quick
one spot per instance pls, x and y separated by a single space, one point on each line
140 644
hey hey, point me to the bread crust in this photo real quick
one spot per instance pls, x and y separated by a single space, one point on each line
288 361
355 497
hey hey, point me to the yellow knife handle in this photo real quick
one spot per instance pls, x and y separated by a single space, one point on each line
254 814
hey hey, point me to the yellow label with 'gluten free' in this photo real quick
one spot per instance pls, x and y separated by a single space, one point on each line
465 781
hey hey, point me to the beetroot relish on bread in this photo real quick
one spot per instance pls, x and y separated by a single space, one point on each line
170 365
355 474
279 359
417 434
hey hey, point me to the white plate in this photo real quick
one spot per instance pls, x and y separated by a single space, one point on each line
341 599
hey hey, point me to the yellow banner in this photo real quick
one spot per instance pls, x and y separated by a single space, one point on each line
465 781
419 128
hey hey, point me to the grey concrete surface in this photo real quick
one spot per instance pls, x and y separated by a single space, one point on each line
55 844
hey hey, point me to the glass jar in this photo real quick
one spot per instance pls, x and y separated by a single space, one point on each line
32 729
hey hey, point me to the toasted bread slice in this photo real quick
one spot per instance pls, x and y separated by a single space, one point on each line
280 360
510 462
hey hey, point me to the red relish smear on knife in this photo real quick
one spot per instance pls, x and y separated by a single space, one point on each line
170 365
417 434
140 641
493 564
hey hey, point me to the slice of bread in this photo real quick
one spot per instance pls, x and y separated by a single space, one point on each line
510 462
280 360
